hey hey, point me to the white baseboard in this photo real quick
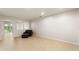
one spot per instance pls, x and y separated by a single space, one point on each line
54 38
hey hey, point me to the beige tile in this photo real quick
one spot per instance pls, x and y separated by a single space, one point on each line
35 44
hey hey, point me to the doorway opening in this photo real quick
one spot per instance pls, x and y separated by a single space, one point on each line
8 28
8 33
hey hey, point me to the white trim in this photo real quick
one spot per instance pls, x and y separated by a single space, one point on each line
54 38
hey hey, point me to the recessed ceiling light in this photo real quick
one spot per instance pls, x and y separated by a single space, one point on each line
42 13
6 25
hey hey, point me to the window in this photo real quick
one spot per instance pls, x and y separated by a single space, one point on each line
26 25
22 26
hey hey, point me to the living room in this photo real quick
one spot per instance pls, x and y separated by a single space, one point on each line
39 29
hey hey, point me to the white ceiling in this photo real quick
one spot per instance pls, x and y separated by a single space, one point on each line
29 13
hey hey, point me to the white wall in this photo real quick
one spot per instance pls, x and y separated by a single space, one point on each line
1 31
62 26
